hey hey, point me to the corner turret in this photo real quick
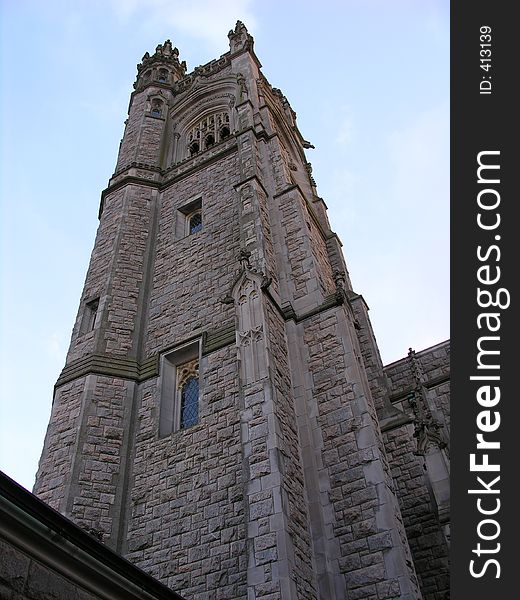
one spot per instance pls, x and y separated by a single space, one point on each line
162 67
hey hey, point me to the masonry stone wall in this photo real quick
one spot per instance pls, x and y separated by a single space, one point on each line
427 540
391 387
83 478
186 525
435 365
353 463
98 275
193 272
288 457
60 445
128 270
95 502
425 536
142 137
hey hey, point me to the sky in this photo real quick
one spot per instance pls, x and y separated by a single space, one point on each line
369 81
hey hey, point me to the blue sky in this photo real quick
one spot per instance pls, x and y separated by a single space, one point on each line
369 81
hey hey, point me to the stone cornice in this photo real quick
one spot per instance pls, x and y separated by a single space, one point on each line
250 179
393 421
139 371
127 180
212 340
217 339
193 164
110 366
288 313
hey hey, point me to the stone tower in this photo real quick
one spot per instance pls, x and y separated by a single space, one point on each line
214 422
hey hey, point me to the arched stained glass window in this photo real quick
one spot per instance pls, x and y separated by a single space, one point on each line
188 386
190 402
195 222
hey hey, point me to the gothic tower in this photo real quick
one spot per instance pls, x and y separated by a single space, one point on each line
214 422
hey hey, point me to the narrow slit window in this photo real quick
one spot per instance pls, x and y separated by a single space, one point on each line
88 321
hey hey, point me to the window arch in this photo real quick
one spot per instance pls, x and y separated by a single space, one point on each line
207 132
157 107
162 76
195 222
224 132
188 389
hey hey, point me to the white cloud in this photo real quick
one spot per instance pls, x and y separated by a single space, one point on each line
344 134
55 347
204 19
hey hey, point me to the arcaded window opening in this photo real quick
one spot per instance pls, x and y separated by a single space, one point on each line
207 132
163 76
224 133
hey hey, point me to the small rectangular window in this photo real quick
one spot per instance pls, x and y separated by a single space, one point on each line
189 219
180 389
88 321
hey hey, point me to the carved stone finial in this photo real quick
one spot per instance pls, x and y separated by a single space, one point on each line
340 279
428 431
239 38
243 92
246 267
167 48
309 171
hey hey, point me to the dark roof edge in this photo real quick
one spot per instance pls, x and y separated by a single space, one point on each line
31 520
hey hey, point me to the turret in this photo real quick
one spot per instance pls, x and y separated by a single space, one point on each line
162 68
